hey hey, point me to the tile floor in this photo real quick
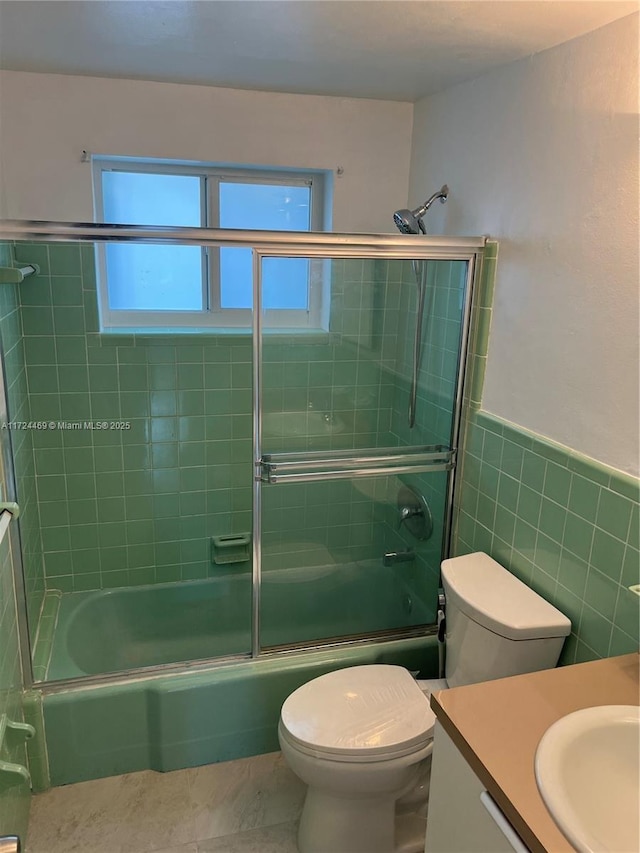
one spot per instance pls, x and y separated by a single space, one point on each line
251 805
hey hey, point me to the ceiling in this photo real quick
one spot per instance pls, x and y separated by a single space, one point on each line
391 49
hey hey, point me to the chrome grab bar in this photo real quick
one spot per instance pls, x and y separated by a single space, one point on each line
352 473
10 844
347 464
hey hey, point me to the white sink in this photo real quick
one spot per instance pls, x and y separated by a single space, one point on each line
588 772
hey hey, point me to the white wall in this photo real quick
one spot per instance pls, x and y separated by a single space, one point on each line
46 120
543 155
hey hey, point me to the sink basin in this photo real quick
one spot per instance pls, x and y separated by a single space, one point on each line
587 768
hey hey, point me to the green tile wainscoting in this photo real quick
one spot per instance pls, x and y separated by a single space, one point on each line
565 524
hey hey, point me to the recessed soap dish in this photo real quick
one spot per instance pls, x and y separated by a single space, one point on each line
232 548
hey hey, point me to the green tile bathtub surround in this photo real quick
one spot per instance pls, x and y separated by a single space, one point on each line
572 537
170 723
44 639
65 259
137 506
14 348
36 746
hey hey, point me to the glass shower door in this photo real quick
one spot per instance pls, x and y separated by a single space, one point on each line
336 562
353 502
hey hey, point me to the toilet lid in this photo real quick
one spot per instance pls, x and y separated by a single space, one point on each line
370 710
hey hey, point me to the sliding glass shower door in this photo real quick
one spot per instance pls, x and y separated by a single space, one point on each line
353 502
252 488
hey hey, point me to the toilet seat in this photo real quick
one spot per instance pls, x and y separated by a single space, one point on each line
374 712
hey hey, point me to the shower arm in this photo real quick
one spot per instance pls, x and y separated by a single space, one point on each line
442 194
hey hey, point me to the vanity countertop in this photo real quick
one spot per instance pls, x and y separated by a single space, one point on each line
497 726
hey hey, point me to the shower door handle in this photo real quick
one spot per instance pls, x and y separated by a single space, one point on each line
10 844
341 464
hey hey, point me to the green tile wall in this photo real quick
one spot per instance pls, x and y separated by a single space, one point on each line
137 506
133 506
565 524
12 342
14 800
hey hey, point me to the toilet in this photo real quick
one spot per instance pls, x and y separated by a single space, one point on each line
361 737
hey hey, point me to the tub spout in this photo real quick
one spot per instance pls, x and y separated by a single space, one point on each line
393 557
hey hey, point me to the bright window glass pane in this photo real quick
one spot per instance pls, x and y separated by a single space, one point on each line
153 277
144 198
236 278
285 283
270 207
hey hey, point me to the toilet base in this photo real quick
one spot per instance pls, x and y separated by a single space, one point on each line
367 823
364 830
331 824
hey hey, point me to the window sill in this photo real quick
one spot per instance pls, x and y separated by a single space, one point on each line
321 335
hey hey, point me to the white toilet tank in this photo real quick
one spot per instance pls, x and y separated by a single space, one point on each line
496 625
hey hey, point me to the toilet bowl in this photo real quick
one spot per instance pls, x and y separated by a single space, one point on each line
361 737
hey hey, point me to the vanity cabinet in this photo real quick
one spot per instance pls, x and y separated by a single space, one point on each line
462 816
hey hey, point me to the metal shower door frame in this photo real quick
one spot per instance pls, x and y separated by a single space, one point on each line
355 251
264 244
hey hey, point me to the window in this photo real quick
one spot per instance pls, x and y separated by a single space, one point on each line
158 286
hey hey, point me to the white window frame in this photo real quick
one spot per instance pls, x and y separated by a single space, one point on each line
213 316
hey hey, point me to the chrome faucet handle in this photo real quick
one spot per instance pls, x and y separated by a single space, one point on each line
410 511
414 512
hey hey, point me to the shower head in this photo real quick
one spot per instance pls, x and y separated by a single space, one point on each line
410 221
407 223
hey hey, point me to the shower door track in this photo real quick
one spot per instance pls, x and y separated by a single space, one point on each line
268 653
278 243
